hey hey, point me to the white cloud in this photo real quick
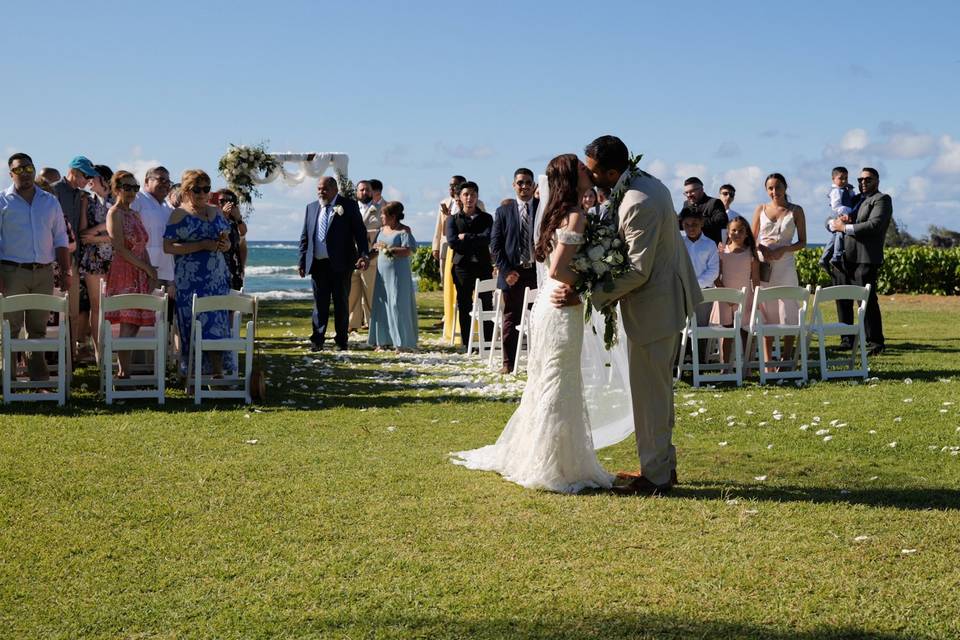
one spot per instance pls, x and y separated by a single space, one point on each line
728 149
854 140
947 161
137 164
748 181
657 168
908 145
391 193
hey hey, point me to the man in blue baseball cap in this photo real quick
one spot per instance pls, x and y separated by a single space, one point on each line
73 201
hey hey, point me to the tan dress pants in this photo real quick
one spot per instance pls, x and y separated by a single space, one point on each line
16 281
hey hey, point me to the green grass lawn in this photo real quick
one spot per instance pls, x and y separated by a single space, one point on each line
333 512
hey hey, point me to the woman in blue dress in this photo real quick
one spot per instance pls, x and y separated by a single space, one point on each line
393 319
197 236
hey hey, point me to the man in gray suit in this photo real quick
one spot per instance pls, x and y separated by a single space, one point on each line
863 253
655 297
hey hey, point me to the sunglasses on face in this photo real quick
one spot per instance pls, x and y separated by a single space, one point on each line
25 169
129 188
199 190
861 180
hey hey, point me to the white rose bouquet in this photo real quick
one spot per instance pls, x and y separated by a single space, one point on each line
600 260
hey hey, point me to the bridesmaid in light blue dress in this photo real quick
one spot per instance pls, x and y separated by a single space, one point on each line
393 319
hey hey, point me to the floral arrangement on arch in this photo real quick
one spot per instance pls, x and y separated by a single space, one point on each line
240 164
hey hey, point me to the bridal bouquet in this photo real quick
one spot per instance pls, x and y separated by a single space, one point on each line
386 250
240 164
601 259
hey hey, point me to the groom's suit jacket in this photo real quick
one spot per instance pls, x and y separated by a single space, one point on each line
661 290
346 235
505 238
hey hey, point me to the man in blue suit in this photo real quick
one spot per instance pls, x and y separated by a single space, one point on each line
333 243
511 244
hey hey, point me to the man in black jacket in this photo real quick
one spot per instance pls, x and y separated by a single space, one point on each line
712 211
468 234
511 244
863 253
332 244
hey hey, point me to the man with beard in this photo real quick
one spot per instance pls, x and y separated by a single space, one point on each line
361 283
712 211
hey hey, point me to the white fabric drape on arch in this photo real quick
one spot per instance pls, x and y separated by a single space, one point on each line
312 165
606 382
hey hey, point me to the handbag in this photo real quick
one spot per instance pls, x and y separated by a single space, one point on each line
765 271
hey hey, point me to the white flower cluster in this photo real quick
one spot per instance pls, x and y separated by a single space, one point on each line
238 166
600 260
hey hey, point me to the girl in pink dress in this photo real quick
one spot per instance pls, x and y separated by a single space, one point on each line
130 270
739 268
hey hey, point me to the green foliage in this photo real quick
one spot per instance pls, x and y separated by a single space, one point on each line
914 269
427 269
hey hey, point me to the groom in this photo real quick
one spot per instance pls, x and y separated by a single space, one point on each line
332 240
655 298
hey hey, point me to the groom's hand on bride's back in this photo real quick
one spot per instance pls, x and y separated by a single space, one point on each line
564 296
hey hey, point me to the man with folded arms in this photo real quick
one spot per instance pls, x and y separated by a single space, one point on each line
33 233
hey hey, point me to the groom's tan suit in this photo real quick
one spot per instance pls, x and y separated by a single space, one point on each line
655 298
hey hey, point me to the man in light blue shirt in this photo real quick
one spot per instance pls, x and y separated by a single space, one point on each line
33 233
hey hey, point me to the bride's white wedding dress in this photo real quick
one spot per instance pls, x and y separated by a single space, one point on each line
547 443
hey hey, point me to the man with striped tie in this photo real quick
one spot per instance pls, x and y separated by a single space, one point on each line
332 244
511 244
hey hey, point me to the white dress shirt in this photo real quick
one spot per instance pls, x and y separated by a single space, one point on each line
31 232
705 258
371 218
155 216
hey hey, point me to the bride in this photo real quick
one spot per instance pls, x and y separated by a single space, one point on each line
547 443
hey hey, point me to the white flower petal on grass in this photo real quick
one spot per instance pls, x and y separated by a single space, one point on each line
254 441
947 404
898 419
733 501
827 438
907 552
834 422
769 446
822 432
391 429
694 414
759 478
907 381
761 424
816 418
872 478
908 399
722 444
861 538
750 512
892 445
454 422
872 431
748 412
702 410
826 402
804 427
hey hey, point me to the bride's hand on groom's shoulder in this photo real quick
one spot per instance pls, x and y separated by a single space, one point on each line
564 296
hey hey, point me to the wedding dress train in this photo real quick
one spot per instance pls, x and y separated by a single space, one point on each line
547 442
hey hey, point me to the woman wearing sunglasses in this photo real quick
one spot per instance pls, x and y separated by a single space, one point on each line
130 268
197 236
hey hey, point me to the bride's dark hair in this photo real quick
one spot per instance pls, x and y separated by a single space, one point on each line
563 174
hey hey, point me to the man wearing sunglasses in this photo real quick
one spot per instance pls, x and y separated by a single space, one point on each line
511 245
863 253
33 233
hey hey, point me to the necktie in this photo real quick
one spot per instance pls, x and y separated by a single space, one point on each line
524 234
325 222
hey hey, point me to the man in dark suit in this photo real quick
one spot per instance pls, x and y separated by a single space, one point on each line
468 234
511 244
333 243
863 253
712 211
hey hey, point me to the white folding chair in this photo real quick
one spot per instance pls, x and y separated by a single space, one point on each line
151 340
56 340
529 297
228 386
820 329
479 315
496 339
693 333
796 368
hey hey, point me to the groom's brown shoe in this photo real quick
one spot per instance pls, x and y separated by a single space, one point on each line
629 475
641 486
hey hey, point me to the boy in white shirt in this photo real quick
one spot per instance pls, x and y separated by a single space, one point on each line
706 263
843 200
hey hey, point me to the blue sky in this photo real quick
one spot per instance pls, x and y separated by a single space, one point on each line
417 91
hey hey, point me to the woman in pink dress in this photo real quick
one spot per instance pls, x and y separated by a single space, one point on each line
130 270
774 226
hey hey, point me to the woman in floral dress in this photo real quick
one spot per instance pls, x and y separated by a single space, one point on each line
96 245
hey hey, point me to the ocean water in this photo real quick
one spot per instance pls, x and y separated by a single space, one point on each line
272 271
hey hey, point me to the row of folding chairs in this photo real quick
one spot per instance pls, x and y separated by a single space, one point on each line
491 350
804 331
147 378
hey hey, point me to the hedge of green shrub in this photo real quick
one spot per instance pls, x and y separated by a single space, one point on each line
905 270
427 269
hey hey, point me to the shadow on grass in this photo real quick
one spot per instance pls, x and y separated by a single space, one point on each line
634 627
918 498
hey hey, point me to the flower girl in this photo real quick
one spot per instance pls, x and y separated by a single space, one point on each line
739 267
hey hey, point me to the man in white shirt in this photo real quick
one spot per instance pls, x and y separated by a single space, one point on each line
362 282
705 257
33 233
154 211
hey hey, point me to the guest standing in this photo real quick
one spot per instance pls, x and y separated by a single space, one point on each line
590 201
863 253
362 282
33 233
774 226
712 211
236 256
512 247
96 246
197 235
393 317
130 270
155 212
468 234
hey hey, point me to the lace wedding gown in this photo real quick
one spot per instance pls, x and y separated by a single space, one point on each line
547 443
